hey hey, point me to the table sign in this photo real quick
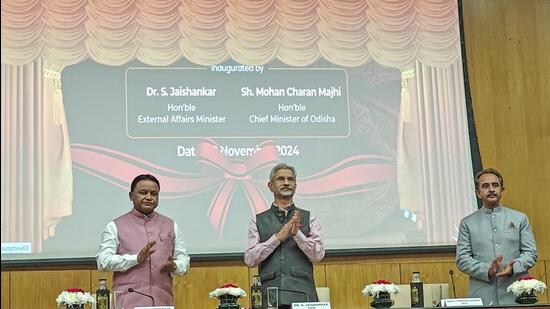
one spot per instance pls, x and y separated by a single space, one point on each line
311 305
461 302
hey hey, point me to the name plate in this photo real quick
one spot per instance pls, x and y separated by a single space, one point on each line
314 305
461 302
155 307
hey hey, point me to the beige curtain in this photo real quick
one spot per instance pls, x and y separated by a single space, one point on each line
207 32
36 160
433 142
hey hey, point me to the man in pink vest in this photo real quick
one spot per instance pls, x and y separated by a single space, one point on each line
144 249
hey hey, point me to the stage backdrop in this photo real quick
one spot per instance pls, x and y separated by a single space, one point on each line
365 98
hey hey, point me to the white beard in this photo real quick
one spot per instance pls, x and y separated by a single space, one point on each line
286 193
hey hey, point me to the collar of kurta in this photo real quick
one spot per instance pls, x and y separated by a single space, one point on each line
491 211
142 216
283 214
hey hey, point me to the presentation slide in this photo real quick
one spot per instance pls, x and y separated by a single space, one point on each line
208 99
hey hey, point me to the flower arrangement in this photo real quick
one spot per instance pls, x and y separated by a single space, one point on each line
228 289
74 296
380 286
526 284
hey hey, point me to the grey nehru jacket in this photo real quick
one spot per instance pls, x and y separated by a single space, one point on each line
484 235
287 268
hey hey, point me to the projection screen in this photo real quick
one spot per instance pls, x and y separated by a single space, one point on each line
365 98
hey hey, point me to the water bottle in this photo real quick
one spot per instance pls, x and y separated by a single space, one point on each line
417 291
256 293
102 295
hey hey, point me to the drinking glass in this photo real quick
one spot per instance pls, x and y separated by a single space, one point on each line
436 294
117 300
272 297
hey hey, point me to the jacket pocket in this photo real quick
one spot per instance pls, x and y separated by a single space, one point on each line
296 272
267 276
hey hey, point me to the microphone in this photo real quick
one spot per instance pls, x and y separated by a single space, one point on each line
451 272
131 290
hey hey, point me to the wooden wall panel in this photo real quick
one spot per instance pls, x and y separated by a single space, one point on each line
346 281
319 274
5 290
547 273
191 290
507 46
39 289
345 277
436 272
95 275
539 272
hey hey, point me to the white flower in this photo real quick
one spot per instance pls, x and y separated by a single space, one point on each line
74 298
374 289
227 289
526 286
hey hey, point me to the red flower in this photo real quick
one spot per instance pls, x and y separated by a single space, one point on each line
75 290
229 285
527 277
382 281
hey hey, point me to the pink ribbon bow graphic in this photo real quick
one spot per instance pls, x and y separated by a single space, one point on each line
354 174
235 172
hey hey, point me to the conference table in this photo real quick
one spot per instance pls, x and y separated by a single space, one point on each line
470 307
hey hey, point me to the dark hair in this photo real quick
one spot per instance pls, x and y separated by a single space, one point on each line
489 171
281 166
143 177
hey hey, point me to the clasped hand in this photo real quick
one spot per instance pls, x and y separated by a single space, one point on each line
291 227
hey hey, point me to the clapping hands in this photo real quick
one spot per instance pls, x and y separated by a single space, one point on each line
495 265
146 252
149 249
169 265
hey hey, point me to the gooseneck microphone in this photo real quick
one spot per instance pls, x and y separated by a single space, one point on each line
131 290
451 272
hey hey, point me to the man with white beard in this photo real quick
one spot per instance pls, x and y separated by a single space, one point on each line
284 242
